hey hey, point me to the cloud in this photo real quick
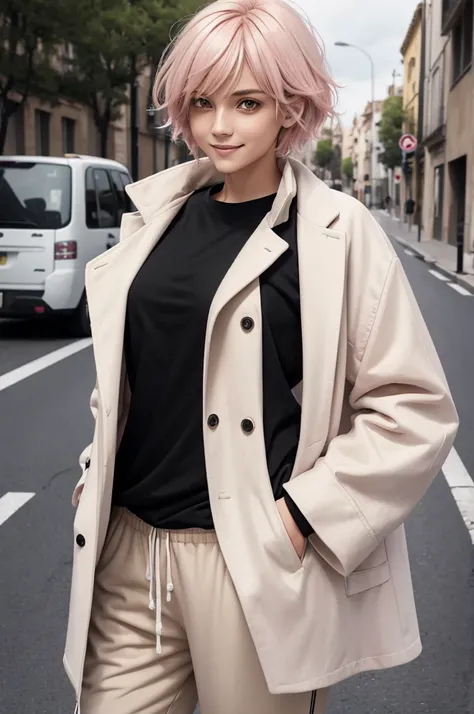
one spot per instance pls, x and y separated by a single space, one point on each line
376 25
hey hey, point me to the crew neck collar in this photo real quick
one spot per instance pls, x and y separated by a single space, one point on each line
226 208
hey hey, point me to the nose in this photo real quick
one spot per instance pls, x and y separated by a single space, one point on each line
222 123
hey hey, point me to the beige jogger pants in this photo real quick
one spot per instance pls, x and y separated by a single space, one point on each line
167 629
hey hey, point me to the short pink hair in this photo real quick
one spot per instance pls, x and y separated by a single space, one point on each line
281 49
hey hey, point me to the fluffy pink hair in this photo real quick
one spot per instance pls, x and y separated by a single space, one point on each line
282 51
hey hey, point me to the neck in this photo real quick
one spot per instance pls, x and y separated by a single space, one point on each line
255 181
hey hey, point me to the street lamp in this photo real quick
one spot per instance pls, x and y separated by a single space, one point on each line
373 148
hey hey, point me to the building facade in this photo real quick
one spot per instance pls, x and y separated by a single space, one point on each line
38 128
357 145
437 88
448 127
457 23
411 52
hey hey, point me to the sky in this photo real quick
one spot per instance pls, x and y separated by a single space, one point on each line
379 26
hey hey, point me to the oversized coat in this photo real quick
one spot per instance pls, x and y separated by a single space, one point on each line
377 424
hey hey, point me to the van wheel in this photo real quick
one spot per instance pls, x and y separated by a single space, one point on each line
81 325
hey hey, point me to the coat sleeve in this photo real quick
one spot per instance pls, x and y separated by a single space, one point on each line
404 425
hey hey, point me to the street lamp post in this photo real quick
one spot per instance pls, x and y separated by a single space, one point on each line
373 161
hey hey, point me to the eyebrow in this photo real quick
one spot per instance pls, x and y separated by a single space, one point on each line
241 92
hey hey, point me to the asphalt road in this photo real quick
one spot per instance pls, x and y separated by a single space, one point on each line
44 424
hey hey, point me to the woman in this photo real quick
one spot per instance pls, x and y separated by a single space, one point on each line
269 406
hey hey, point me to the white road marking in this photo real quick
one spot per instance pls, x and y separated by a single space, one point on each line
10 503
410 253
440 276
27 370
462 488
459 289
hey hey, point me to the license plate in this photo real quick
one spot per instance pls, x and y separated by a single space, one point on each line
3 258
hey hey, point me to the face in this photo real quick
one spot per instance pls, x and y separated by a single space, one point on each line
238 130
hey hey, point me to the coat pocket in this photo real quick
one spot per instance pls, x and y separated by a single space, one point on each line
361 580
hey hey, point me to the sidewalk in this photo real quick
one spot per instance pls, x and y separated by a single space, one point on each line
440 254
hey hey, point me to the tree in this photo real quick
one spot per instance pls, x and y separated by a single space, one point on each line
390 131
348 168
335 165
324 153
114 42
98 71
30 32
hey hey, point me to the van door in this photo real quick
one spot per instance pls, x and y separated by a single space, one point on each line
101 213
35 201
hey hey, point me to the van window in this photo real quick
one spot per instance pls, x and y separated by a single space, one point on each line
34 195
122 198
121 179
101 202
126 180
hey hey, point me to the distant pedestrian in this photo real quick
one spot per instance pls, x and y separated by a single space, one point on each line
269 406
388 204
409 211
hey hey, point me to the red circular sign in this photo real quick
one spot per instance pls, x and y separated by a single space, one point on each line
408 143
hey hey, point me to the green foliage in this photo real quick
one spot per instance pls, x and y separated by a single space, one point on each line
348 168
390 131
30 31
324 153
114 42
89 51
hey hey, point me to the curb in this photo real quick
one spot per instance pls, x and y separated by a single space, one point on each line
427 258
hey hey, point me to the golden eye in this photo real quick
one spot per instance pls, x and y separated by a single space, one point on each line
253 105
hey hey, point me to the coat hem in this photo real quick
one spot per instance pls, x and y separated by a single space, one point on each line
358 667
69 674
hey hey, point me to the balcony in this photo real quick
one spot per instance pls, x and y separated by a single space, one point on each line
451 11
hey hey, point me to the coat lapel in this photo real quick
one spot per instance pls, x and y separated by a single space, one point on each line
321 260
322 265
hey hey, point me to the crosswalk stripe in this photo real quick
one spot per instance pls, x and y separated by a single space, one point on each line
459 289
462 488
440 276
11 502
27 370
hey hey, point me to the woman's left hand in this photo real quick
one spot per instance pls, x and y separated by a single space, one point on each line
297 538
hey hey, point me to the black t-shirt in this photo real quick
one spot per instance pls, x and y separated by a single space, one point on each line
160 472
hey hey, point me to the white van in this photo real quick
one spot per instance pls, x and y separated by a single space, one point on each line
56 214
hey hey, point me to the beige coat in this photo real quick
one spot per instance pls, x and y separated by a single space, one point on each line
377 424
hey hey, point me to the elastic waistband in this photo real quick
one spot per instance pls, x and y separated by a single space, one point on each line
187 535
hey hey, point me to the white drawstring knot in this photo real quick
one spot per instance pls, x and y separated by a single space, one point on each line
169 582
154 578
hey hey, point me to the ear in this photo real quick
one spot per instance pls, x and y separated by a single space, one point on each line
288 122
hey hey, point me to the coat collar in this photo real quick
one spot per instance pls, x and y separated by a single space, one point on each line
316 201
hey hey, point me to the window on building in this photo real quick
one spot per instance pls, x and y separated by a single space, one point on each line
42 127
462 41
101 201
15 138
68 132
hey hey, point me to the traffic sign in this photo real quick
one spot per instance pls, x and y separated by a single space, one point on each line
408 143
397 176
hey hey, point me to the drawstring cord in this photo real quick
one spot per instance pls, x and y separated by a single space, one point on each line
154 578
169 581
